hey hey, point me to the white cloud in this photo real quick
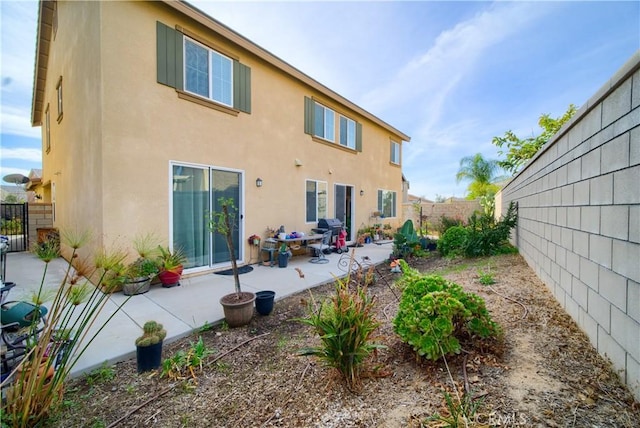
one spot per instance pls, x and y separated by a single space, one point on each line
17 121
25 154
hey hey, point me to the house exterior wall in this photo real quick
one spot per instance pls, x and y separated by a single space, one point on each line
114 160
579 219
72 168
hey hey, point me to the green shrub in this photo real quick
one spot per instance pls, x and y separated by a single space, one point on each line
345 325
448 222
454 241
486 236
434 314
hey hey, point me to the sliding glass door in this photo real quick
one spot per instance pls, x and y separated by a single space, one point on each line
195 193
344 208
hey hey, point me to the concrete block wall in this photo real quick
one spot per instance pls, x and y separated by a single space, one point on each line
40 216
579 219
432 212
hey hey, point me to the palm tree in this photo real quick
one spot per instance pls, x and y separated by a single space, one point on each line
482 174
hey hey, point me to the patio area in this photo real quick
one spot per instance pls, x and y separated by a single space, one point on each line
181 309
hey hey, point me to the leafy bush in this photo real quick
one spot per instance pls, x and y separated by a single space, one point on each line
486 236
405 241
448 222
11 227
454 241
345 326
434 314
483 236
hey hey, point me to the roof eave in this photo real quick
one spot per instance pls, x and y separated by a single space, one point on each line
229 34
43 43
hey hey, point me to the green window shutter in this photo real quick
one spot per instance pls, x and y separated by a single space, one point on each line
169 56
309 109
380 207
358 136
390 151
241 87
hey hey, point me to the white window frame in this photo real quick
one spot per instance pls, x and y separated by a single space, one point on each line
350 137
321 208
395 153
381 201
59 93
213 81
47 129
328 129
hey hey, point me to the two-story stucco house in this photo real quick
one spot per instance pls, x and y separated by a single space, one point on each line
151 111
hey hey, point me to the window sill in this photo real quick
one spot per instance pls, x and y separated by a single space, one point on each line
207 103
397 165
333 144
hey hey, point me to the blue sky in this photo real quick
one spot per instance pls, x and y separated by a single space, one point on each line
451 75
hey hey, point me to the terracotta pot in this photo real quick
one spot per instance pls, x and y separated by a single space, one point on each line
238 311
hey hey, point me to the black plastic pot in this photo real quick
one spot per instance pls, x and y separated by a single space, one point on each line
283 260
264 302
149 357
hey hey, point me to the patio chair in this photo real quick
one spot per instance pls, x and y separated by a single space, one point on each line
320 247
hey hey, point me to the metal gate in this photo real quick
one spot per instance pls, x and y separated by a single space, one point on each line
14 226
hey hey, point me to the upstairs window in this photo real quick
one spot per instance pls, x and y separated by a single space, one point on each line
395 153
387 203
208 73
319 121
347 132
316 200
47 130
324 122
59 91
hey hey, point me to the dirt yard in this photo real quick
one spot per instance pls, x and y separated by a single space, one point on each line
544 373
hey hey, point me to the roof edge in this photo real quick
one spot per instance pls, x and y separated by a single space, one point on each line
43 43
235 37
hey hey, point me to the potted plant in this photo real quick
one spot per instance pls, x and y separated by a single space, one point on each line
237 306
149 346
254 240
137 276
170 266
283 255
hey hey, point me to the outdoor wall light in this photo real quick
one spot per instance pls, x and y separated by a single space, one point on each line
361 192
258 182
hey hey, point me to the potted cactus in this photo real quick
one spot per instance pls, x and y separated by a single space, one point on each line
149 346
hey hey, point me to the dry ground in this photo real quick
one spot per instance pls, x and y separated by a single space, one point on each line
544 373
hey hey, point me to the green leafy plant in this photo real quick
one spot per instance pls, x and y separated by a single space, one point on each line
184 363
483 236
169 260
102 374
461 413
454 241
345 325
486 277
33 394
448 222
434 314
152 333
406 241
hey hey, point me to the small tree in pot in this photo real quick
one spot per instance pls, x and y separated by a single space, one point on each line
238 306
149 346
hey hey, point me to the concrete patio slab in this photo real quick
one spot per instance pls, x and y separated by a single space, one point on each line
181 309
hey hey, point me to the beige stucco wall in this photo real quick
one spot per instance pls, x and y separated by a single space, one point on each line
127 128
72 166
